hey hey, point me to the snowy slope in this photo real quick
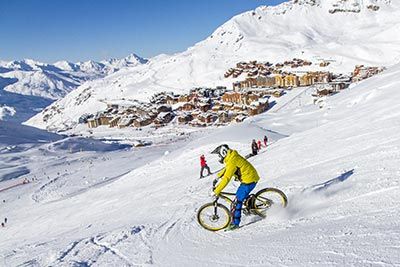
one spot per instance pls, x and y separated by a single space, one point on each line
301 29
338 165
43 83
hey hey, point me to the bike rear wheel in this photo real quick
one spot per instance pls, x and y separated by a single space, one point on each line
267 198
214 216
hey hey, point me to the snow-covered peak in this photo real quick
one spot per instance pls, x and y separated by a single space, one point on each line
91 66
48 82
344 5
66 66
130 61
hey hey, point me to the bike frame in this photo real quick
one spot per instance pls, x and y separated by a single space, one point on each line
226 196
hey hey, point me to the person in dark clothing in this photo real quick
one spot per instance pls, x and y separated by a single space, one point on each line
203 164
254 147
265 141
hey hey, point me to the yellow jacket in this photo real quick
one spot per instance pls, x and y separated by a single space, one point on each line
238 166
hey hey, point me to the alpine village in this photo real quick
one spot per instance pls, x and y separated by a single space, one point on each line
203 107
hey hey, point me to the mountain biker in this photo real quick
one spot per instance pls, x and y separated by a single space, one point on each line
235 165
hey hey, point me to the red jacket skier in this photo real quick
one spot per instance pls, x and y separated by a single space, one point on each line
259 144
203 165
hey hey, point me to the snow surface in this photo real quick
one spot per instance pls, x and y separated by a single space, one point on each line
133 207
295 29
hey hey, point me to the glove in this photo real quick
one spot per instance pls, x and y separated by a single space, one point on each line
215 183
211 193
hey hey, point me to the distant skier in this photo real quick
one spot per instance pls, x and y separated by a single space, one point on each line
259 145
254 147
203 165
235 165
265 140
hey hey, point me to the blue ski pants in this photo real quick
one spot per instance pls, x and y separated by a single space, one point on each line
241 194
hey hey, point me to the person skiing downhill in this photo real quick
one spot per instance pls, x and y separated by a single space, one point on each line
265 140
203 165
235 165
254 147
259 145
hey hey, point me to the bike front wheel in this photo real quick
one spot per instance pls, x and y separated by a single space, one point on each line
267 198
214 216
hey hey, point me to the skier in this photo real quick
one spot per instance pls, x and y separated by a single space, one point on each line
259 145
235 165
203 164
265 140
254 148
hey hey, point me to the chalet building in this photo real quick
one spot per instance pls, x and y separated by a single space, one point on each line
361 72
84 118
253 111
114 122
258 107
239 108
259 81
187 107
185 118
237 86
141 122
172 100
252 73
224 117
163 118
291 80
250 97
265 81
125 122
324 64
164 108
306 80
237 73
337 86
204 107
207 118
105 119
311 78
229 72
93 123
184 98
280 80
241 65
217 107
232 97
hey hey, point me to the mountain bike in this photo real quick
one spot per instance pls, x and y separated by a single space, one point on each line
215 216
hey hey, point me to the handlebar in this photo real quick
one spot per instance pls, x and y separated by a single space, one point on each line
215 181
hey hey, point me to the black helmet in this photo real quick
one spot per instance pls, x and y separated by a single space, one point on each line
222 151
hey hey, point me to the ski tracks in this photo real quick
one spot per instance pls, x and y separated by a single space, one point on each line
126 247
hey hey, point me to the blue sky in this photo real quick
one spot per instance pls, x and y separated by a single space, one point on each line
78 30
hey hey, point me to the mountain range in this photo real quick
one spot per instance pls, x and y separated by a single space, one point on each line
33 85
